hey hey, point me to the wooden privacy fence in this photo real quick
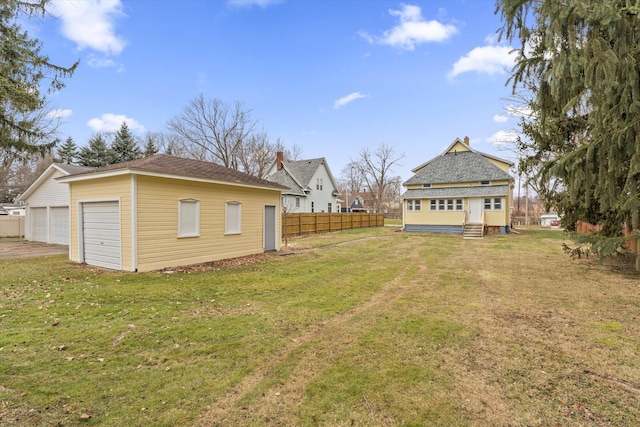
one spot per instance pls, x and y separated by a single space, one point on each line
305 223
11 226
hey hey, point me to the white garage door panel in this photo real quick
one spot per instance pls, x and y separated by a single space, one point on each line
39 225
101 234
60 225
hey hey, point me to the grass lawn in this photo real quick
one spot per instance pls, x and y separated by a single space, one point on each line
373 327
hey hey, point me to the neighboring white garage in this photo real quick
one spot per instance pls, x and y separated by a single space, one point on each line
101 234
47 205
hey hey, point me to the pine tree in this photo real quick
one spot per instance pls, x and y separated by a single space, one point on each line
124 147
67 152
581 63
96 154
22 69
150 147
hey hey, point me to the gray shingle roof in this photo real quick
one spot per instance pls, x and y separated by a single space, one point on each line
303 170
439 193
188 168
465 166
283 178
73 168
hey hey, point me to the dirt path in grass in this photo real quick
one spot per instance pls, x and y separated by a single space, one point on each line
323 343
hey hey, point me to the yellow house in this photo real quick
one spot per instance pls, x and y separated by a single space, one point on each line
164 211
462 191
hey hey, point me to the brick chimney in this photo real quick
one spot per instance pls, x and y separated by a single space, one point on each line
279 160
466 140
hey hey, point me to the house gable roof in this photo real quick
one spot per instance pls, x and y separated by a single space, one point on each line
297 174
168 166
65 169
455 166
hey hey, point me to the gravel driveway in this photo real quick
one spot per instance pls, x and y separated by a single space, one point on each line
24 249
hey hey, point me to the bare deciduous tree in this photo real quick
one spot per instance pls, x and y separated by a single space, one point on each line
376 168
214 130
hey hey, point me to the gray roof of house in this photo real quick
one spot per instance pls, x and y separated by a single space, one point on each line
297 174
283 178
439 193
70 169
465 166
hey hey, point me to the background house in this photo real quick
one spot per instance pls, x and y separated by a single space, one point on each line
311 187
460 191
47 205
163 211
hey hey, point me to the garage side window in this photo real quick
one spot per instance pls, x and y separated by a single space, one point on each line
188 218
233 223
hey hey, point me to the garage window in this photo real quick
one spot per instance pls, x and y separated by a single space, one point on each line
233 223
188 218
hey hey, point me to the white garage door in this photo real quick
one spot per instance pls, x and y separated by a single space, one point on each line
38 223
101 234
60 225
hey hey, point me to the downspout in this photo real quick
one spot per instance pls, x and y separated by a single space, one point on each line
134 222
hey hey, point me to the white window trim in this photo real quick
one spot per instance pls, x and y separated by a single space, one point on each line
227 230
411 205
435 205
182 234
493 204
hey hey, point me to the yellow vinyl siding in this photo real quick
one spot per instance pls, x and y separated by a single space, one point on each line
459 147
112 188
502 165
158 242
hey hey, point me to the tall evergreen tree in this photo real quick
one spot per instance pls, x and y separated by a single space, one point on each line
22 68
124 147
150 147
581 61
96 153
67 152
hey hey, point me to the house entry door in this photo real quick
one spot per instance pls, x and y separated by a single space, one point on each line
270 228
475 210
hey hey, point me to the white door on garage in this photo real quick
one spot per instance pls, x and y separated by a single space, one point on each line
38 223
60 225
101 234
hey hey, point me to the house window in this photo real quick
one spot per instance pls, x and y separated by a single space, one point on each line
459 204
485 182
313 206
493 204
433 205
426 185
188 218
233 218
441 204
297 202
414 205
319 184
449 204
329 208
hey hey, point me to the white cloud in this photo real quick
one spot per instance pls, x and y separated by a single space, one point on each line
249 3
412 30
503 137
485 60
95 62
59 114
110 122
347 99
90 23
499 118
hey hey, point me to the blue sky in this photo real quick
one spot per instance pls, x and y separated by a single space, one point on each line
332 76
